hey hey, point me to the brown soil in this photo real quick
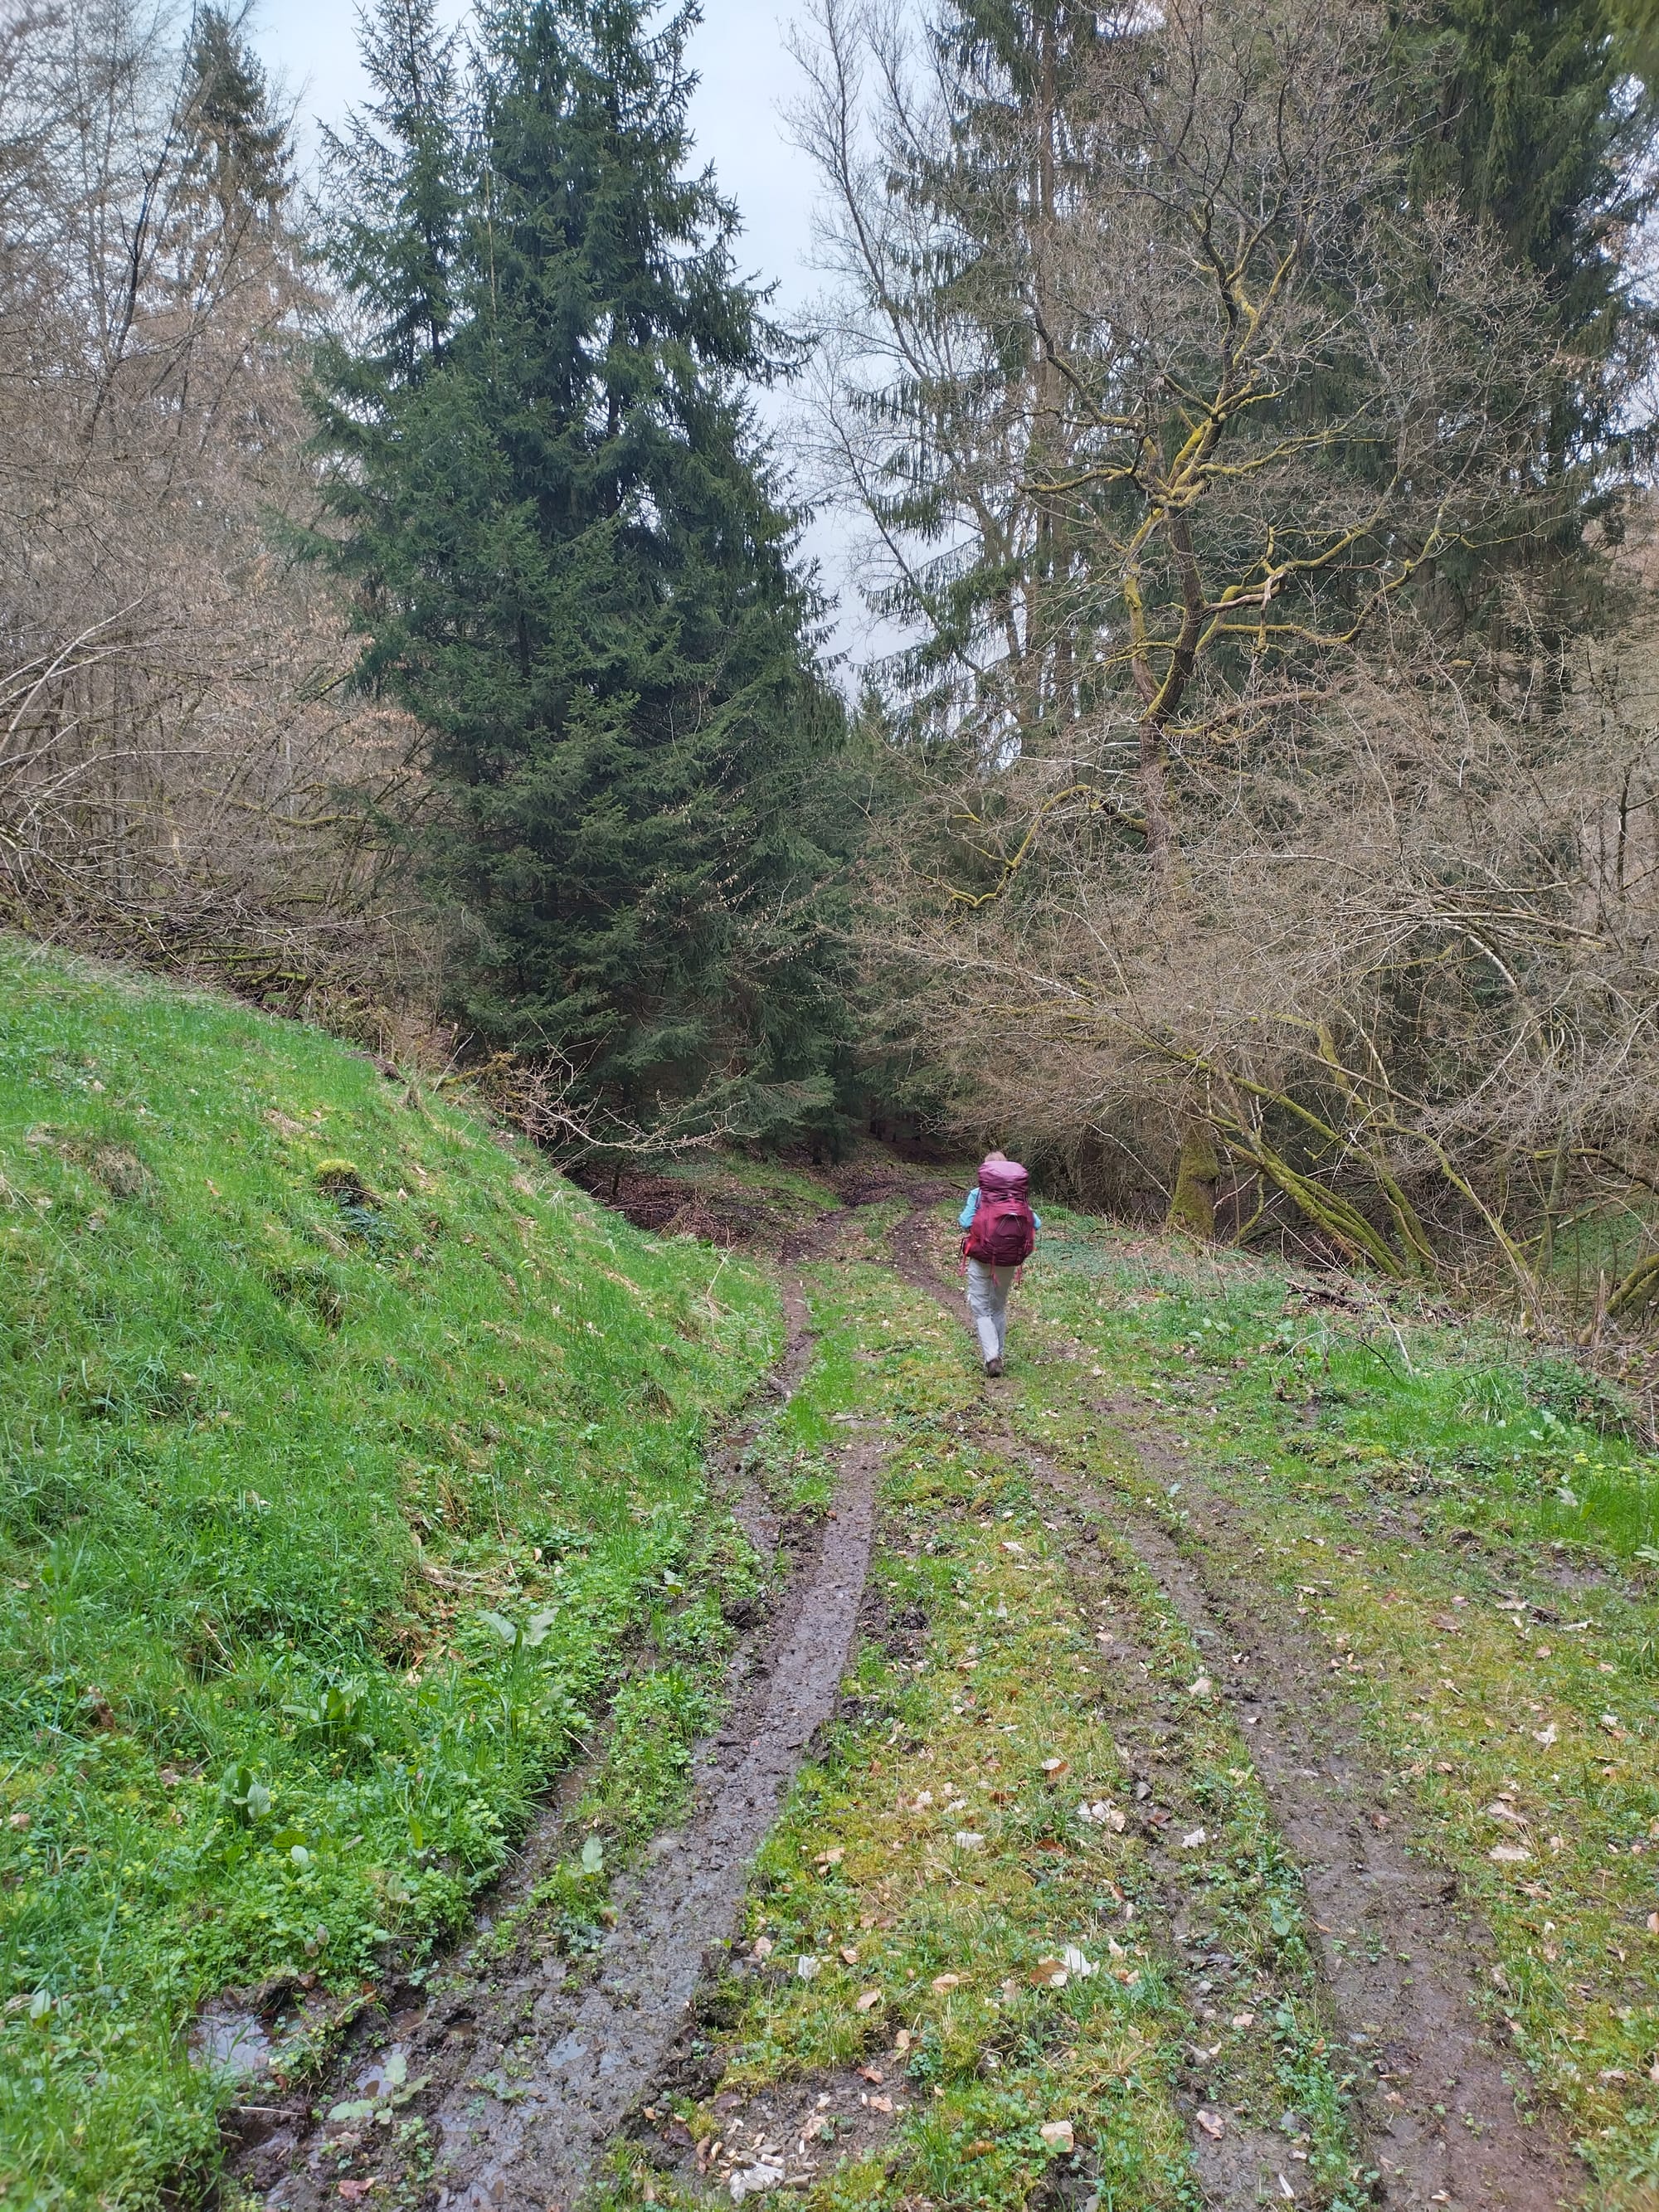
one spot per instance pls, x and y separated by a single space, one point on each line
1400 1960
672 1208
529 2069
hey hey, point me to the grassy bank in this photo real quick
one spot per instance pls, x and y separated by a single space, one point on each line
344 1450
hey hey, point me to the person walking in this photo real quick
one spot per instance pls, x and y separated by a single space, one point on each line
1002 1232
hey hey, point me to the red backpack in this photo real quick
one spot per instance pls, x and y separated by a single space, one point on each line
1003 1231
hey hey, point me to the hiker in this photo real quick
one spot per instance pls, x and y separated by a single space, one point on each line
1001 1234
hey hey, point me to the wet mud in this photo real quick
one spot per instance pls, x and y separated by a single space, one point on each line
788 2134
519 2071
1399 1959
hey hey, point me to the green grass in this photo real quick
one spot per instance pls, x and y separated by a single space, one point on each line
1461 1524
346 1453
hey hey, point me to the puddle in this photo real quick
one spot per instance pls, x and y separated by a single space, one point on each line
229 2039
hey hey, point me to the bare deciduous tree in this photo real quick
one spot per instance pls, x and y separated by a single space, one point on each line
1312 882
182 770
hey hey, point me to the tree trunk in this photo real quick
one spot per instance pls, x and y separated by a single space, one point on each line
1193 1206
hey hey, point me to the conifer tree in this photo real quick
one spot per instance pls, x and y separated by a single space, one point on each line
237 146
1533 115
575 568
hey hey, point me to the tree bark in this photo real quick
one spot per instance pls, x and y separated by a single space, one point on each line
1193 1206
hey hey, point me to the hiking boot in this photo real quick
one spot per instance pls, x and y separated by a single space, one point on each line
994 1367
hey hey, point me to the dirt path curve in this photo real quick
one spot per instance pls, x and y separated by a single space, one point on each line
528 2075
1437 2110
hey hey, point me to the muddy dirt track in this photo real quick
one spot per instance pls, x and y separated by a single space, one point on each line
528 2071
529 2068
1438 2109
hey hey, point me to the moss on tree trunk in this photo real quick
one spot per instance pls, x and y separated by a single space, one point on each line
1193 1206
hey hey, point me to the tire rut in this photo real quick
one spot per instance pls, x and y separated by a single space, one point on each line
1438 2111
526 2077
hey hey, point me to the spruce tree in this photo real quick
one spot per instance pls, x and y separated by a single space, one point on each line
575 568
1530 111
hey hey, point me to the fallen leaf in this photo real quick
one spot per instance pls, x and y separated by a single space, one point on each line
969 1839
351 2190
1048 1974
1059 2134
850 1955
1546 1736
870 2074
1510 1854
1101 1814
806 1966
1076 1963
1243 2020
1053 1768
902 2041
868 2001
943 1982
762 1946
881 2104
1201 1689
1212 2123
831 1858
1653 1923
1192 1839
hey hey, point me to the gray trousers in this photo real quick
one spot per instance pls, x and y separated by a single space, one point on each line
988 1302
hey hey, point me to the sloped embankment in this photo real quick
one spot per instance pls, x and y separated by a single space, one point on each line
345 1451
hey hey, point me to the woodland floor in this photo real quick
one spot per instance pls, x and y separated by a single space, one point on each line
1210 1766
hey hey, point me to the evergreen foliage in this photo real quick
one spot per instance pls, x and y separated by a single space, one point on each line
1534 116
239 145
574 564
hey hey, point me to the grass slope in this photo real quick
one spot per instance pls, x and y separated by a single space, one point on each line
344 1451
